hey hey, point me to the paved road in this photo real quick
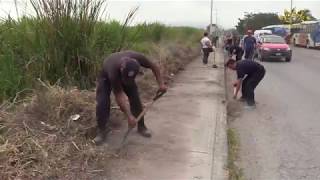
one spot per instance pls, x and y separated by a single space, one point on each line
280 140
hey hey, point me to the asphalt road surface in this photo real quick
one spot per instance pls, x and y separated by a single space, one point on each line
280 140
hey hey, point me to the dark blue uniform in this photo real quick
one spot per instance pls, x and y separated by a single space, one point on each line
252 73
110 80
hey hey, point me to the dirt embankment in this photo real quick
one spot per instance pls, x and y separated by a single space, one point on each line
48 135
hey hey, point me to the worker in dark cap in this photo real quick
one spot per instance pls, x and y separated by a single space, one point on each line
249 75
118 75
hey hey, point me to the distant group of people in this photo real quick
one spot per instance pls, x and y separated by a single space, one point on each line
249 72
238 48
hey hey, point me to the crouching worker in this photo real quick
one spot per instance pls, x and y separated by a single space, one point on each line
249 74
235 49
118 75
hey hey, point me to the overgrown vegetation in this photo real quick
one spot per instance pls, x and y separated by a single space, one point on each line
40 140
235 173
54 57
66 42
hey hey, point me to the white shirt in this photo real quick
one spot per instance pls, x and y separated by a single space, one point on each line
205 42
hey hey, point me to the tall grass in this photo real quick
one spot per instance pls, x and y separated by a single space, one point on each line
67 28
66 42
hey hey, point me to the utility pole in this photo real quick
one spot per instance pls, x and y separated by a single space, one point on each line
211 33
291 13
216 16
211 16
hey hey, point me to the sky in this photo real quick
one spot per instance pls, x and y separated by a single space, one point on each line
194 13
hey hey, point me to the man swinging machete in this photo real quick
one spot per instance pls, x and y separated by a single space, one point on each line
118 75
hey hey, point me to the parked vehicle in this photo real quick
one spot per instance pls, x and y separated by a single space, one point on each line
273 47
306 34
280 30
261 32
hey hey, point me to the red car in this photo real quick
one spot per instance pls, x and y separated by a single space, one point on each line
273 47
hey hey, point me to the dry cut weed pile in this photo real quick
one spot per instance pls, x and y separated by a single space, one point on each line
45 138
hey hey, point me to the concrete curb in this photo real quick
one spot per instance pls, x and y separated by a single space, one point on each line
220 144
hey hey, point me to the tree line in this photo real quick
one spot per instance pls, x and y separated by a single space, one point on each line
259 20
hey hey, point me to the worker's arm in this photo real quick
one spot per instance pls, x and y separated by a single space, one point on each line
156 71
237 85
255 43
121 100
145 62
240 75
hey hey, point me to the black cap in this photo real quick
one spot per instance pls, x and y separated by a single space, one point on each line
130 70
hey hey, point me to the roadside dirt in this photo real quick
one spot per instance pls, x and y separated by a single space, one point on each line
234 111
40 138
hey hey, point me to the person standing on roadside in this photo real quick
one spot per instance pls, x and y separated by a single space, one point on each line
228 42
249 75
249 44
215 41
207 47
118 75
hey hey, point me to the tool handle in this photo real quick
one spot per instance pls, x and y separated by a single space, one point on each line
158 95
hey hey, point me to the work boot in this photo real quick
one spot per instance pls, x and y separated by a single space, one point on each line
250 105
100 137
143 131
242 99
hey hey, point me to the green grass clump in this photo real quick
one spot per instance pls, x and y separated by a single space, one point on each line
235 173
